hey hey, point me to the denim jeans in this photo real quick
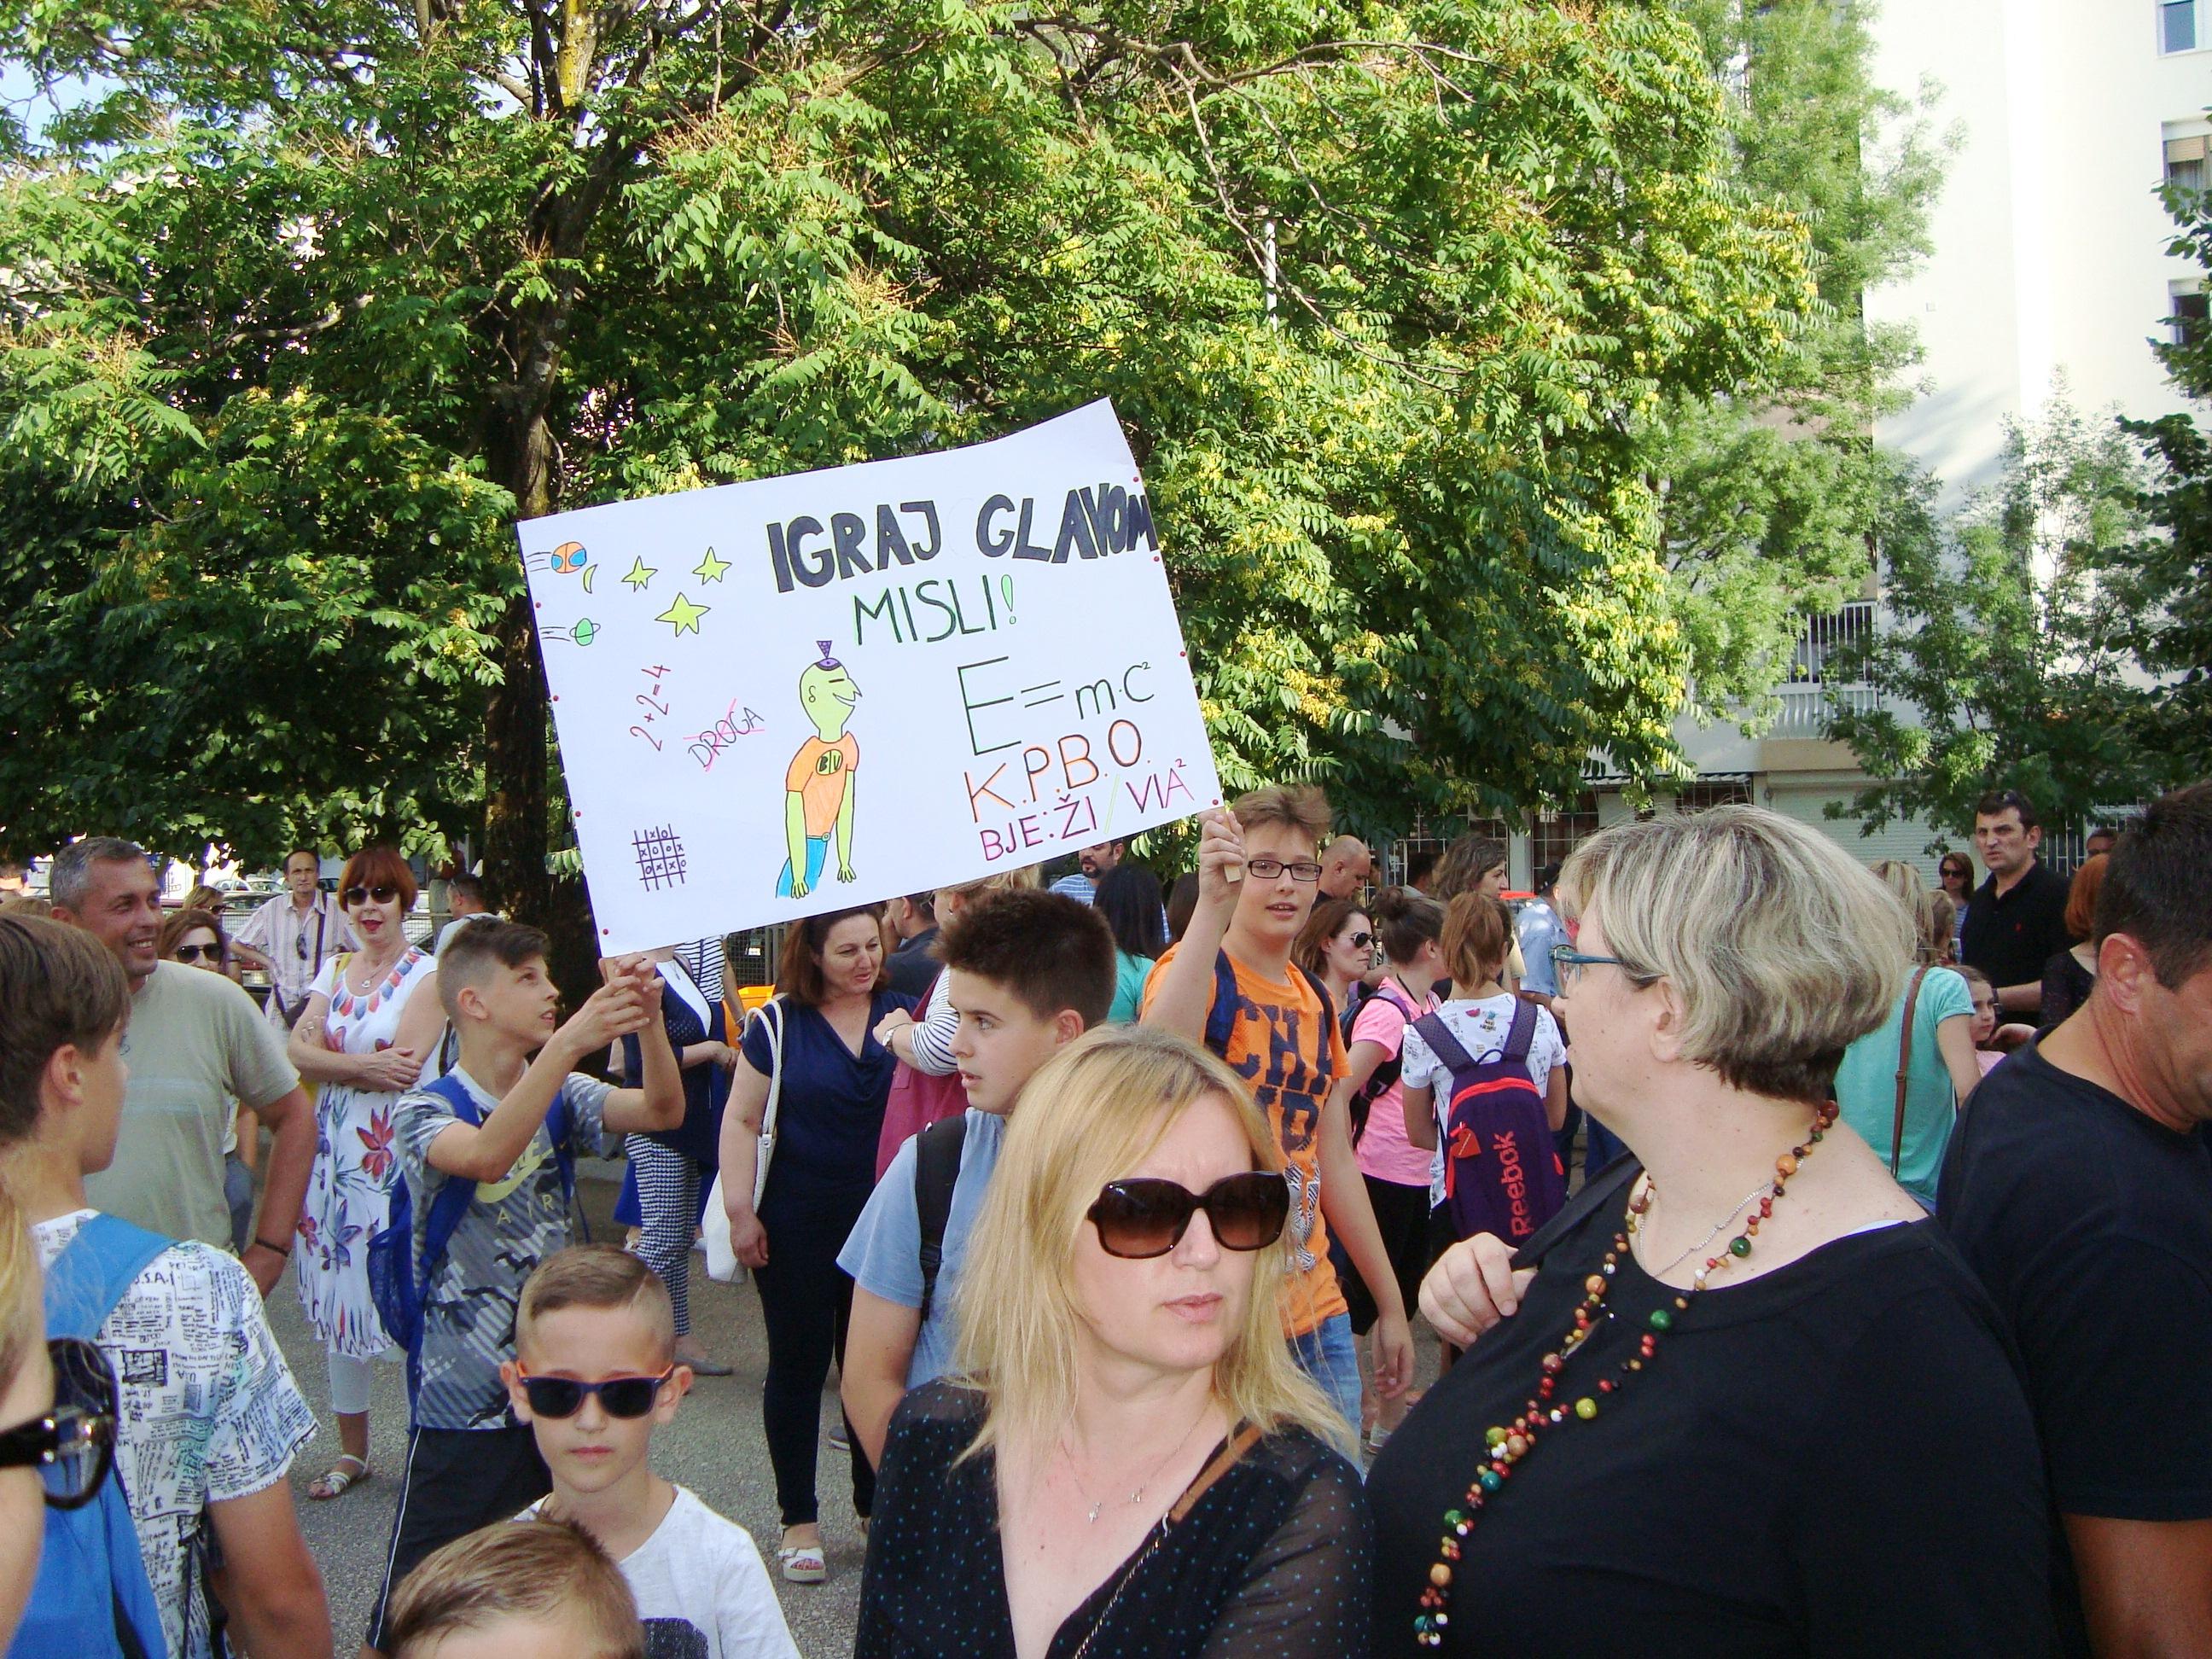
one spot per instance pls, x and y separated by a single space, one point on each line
1329 1354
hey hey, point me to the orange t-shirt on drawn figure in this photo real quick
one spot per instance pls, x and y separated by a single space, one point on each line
1291 1055
822 788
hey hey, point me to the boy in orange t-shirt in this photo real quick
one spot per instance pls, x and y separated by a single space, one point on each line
1283 1040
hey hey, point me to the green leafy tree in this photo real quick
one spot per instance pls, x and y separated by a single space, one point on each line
2008 665
1772 492
1382 292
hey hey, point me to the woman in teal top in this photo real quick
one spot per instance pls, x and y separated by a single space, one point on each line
1940 1067
1128 896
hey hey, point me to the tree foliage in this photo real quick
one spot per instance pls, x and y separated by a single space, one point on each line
2010 662
317 295
1771 495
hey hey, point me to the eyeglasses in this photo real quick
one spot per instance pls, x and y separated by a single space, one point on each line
1268 869
619 1396
384 892
1363 941
194 952
1143 1218
1570 962
72 1446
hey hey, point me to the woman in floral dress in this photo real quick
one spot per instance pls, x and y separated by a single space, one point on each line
372 1018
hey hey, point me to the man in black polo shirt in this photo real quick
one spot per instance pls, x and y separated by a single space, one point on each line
2016 920
2079 1186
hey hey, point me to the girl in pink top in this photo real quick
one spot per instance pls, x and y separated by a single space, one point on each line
1408 927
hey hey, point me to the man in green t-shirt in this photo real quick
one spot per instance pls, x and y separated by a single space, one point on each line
195 1044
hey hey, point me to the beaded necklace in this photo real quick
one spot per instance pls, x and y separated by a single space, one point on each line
1509 1444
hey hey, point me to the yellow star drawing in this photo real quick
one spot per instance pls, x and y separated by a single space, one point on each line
683 615
640 573
710 569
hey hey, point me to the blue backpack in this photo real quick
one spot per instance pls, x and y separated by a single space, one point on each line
1221 1019
399 1280
92 1598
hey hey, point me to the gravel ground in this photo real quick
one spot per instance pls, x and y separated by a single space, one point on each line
715 1447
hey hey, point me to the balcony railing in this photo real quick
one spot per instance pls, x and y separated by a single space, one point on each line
1805 708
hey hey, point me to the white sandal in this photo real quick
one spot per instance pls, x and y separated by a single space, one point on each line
335 1482
802 1564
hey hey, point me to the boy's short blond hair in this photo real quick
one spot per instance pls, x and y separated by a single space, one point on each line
550 1572
597 1276
1302 806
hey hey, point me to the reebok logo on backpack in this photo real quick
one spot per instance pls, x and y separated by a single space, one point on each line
1502 1174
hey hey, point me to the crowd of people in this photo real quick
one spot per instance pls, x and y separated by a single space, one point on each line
1819 1261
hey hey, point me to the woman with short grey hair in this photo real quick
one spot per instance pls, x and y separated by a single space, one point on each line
1741 1377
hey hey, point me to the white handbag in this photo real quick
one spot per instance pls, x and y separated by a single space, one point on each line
722 1264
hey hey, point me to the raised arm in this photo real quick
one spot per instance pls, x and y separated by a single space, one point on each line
487 1150
1184 994
659 1103
740 1155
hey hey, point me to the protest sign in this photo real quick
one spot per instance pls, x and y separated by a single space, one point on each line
799 693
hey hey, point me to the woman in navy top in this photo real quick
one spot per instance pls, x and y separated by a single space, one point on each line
836 1078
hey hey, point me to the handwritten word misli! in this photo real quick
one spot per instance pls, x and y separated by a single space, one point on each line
1096 522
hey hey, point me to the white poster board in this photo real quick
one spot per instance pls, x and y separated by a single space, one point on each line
799 693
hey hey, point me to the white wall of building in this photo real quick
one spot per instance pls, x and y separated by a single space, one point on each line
2049 237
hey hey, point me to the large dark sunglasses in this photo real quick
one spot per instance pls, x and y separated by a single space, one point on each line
1363 941
194 952
1140 1218
72 1446
564 1396
383 893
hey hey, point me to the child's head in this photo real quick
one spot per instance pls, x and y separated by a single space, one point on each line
493 981
1477 938
593 1313
1984 992
518 1590
1027 970
1287 825
64 1003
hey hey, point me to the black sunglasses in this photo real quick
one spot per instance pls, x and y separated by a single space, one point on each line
194 952
72 1446
564 1396
1363 941
1143 1218
383 893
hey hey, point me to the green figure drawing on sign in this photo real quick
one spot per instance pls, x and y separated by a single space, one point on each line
818 786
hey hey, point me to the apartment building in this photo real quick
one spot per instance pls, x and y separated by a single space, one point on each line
2049 262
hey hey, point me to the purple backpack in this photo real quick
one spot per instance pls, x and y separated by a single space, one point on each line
1502 1174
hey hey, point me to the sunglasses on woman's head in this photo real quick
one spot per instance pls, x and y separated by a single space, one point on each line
1143 1218
72 1446
194 952
564 1396
383 893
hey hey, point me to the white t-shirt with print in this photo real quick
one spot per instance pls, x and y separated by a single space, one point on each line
209 1410
1481 1028
701 1589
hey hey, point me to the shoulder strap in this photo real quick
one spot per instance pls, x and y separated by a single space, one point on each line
452 1203
936 1172
95 1272
1327 1008
1442 1044
1221 1019
1903 1065
1224 1460
1597 1193
1520 1036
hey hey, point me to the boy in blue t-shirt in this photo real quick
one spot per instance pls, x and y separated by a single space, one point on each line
469 1462
1027 971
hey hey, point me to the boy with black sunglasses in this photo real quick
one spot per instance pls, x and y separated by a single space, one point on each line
488 1154
594 1373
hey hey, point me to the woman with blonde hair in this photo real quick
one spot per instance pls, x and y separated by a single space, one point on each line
1127 1463
1742 1377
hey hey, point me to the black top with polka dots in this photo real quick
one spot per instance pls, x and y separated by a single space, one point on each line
1272 1561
